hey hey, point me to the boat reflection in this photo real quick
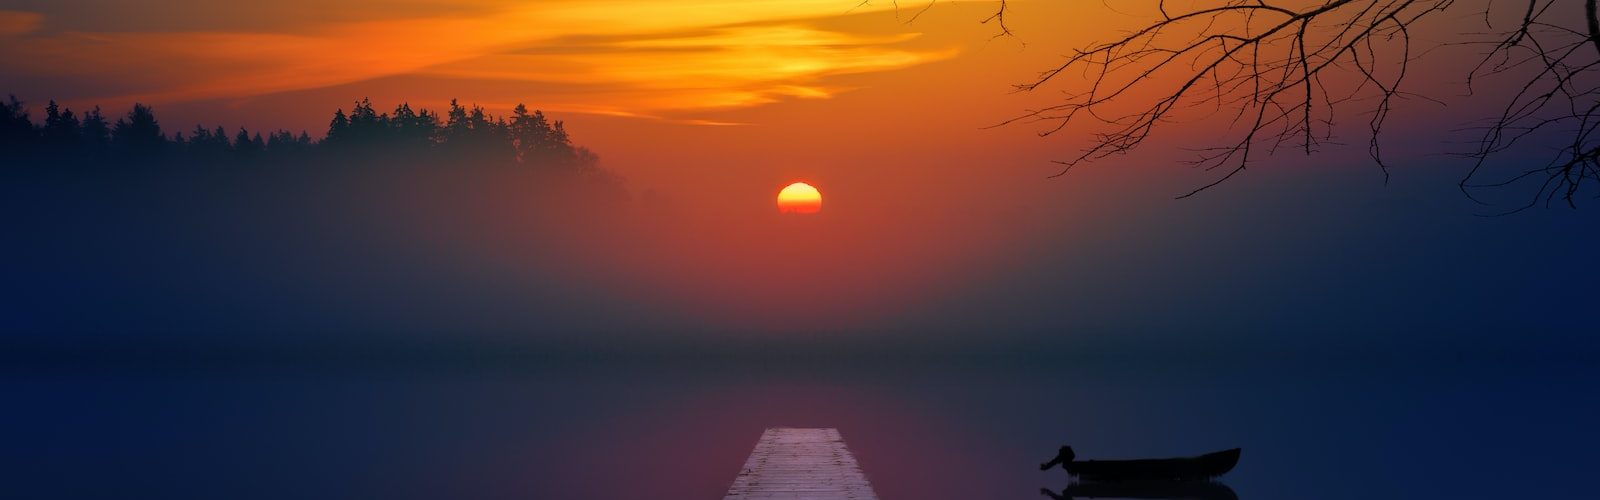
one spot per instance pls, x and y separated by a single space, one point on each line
1190 490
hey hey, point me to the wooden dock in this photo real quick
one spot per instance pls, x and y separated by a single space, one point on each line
795 464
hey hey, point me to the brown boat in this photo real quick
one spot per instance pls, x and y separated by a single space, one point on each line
1195 468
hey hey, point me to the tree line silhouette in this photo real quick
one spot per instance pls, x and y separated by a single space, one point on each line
461 134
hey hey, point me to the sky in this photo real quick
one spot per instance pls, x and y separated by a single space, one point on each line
934 222
624 58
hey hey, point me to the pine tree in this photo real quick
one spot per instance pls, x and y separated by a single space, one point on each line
280 141
244 146
61 128
428 128
456 123
528 132
201 143
558 135
366 125
139 132
16 129
96 132
338 128
413 129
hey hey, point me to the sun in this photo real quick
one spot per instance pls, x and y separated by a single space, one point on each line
799 198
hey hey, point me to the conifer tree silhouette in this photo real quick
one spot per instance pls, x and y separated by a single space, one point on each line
139 133
468 136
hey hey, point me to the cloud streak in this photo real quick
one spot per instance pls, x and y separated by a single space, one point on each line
15 23
720 68
639 57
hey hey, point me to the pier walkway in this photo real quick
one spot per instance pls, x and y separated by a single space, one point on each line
801 464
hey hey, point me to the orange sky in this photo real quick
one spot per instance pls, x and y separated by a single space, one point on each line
818 86
629 57
709 105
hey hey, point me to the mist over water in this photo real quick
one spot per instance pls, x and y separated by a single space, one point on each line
250 347
437 331
424 430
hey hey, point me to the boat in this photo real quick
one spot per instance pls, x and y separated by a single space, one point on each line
1195 468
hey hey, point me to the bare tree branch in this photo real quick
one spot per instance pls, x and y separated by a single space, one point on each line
1286 69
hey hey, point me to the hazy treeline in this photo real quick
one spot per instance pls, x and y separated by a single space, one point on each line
405 135
384 224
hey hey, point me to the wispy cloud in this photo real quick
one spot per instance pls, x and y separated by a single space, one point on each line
641 57
719 68
14 23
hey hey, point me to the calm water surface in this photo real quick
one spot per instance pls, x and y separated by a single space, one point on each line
603 432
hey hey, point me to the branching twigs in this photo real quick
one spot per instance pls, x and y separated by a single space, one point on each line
1286 67
1264 59
998 17
1558 96
999 20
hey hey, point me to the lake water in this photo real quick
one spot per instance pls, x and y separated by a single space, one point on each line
1336 430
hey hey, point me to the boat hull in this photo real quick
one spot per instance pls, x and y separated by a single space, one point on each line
1196 468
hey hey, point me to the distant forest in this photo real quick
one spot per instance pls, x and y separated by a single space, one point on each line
364 136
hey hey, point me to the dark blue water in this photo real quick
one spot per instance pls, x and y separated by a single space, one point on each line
1506 429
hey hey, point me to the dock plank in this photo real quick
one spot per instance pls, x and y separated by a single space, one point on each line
801 464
